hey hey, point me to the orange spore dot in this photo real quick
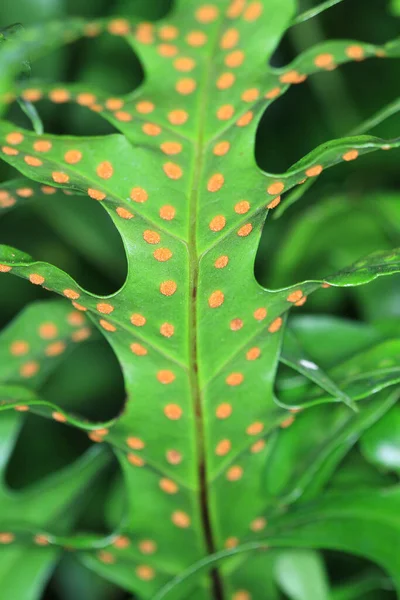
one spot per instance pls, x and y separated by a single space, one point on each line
60 177
234 59
221 262
145 572
258 524
276 188
81 334
223 411
167 50
217 223
105 170
123 213
250 95
168 32
225 81
59 96
185 86
207 13
236 324
184 64
355 52
139 194
138 320
36 279
107 326
135 443
302 301
138 349
231 542
274 202
274 93
275 325
295 296
253 11
234 379
350 155
229 39
260 314
14 138
173 412
287 422
75 319
57 416
19 348
215 182
151 129
105 308
255 428
178 117
96 194
292 77
122 542
79 306
47 331
167 330
223 448
118 27
324 61
151 237
145 107
29 369
123 116
162 254
181 519
32 95
33 161
42 146
172 170
216 299
221 148
167 212
314 171
71 294
171 148
235 9
168 288
168 486
225 112
85 99
147 546
174 457
196 39
258 446
253 353
245 230
242 207
245 119
9 151
114 103
135 460
234 473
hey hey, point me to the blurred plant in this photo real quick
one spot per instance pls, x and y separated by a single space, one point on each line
241 431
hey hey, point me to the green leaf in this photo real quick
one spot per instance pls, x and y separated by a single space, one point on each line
358 587
381 443
294 356
27 555
313 12
301 575
197 338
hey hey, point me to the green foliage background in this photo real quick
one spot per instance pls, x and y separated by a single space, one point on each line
348 213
